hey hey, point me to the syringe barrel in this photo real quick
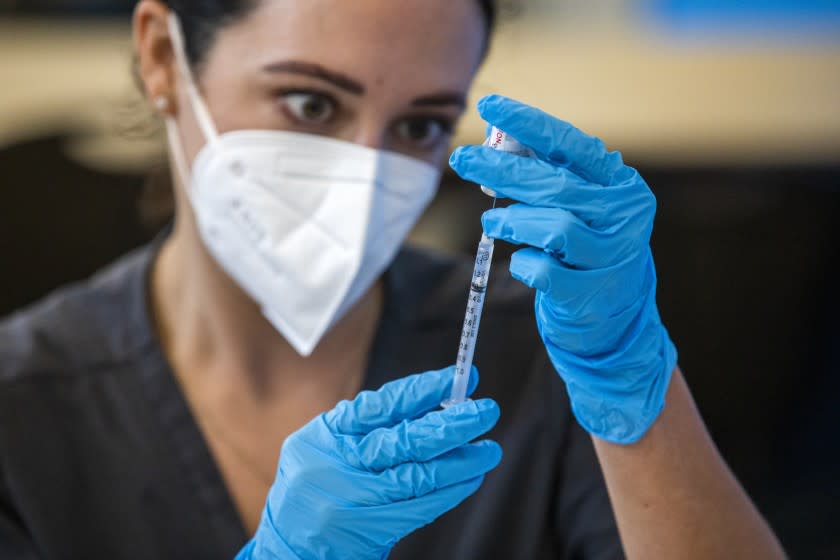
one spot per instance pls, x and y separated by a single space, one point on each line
472 320
498 140
459 388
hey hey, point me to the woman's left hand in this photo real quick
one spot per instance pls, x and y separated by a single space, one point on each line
587 219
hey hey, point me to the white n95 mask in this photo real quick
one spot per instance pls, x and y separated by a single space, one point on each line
304 224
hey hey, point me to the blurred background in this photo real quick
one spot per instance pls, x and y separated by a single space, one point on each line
731 110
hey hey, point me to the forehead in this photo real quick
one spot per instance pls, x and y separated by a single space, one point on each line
389 43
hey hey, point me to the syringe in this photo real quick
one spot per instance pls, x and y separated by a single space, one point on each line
469 334
498 140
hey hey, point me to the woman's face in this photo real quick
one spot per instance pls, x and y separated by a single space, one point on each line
384 74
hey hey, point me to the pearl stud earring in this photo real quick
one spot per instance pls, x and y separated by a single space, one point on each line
161 103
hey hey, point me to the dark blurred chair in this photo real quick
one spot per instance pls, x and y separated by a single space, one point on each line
60 221
749 268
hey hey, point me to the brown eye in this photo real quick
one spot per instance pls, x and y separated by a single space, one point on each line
422 132
309 107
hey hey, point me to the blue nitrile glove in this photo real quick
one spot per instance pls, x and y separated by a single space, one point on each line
588 219
360 477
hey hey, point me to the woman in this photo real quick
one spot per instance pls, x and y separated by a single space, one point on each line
143 411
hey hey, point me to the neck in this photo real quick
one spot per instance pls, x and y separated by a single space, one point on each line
212 331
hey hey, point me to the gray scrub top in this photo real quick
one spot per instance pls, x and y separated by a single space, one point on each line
100 456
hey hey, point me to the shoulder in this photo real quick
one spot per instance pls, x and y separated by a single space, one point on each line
81 328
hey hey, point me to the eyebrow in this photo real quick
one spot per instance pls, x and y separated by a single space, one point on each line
349 84
317 71
444 98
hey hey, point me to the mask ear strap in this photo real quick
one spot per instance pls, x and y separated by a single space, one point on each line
178 156
202 114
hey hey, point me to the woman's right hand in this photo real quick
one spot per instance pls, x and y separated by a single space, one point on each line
359 478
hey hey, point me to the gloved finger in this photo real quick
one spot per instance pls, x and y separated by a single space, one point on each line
416 513
555 139
425 438
582 354
415 480
529 180
581 294
406 398
561 233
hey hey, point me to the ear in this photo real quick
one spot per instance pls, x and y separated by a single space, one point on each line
155 56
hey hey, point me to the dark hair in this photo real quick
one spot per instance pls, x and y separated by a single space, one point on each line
201 20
